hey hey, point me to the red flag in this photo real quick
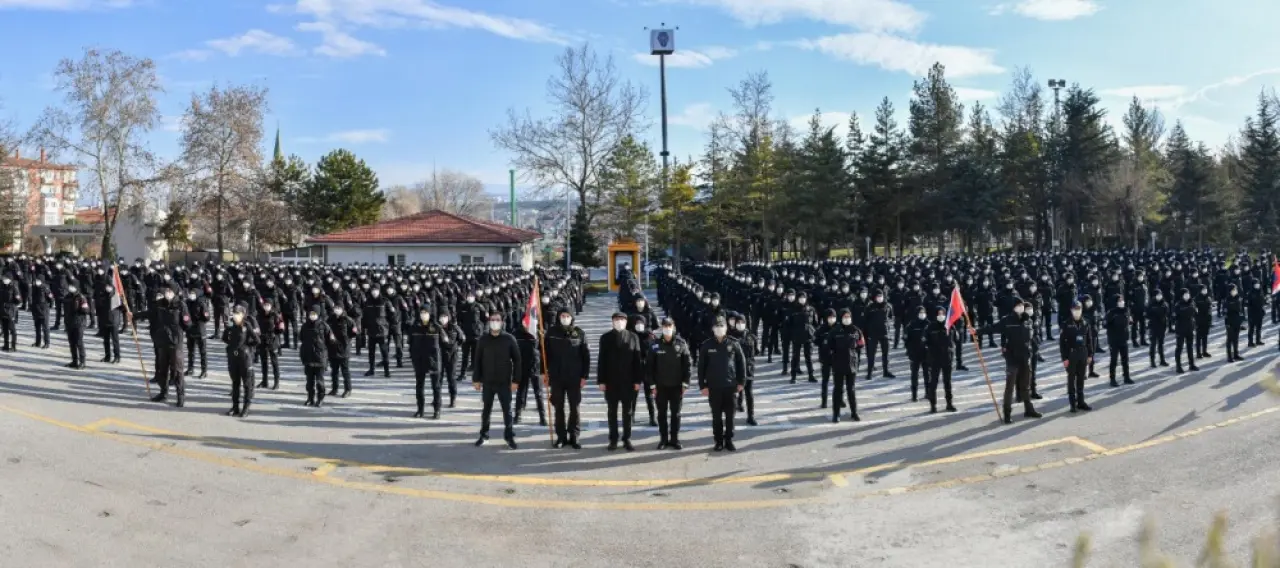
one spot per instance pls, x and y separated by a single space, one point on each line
115 277
955 310
532 311
1275 277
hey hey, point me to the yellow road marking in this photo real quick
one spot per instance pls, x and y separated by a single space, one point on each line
324 470
838 480
99 424
1086 444
628 506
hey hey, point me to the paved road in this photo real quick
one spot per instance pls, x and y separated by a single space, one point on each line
95 467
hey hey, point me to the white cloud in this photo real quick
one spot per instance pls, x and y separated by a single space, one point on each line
377 135
689 58
1051 10
339 44
192 54
900 54
866 15
837 120
971 94
63 5
332 17
697 116
254 41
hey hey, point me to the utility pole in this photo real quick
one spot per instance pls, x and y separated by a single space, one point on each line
514 222
568 231
1056 85
662 42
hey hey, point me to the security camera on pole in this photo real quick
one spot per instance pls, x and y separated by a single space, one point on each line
662 42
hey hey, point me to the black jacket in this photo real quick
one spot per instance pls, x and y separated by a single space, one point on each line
620 359
843 343
721 364
375 318
343 328
1075 340
497 360
168 319
313 344
424 346
75 309
940 343
670 363
568 355
241 339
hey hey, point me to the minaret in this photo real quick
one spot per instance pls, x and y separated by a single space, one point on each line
278 155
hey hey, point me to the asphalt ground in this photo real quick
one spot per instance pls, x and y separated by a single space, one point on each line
95 474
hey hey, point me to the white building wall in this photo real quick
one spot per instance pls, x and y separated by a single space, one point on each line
424 254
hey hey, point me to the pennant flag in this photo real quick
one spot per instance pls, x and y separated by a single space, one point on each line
1275 276
117 299
532 311
955 310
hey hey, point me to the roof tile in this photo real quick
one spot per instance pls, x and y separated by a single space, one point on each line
433 226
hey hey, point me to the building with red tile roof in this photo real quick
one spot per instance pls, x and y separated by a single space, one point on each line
430 237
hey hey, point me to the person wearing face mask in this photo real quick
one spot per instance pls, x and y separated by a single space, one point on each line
802 326
984 307
10 300
820 339
845 344
1118 322
1018 349
568 361
1234 319
223 295
619 374
791 306
425 356
396 311
270 328
939 341
643 312
168 318
669 368
313 348
375 321
496 374
290 308
722 373
637 324
241 338
530 372
876 319
38 304
343 329
1091 316
1256 308
740 332
199 310
1184 321
1204 321
450 343
903 315
1067 294
917 350
1075 346
1137 301
1158 314
471 320
75 309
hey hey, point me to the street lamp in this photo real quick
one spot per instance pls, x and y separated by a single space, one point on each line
662 42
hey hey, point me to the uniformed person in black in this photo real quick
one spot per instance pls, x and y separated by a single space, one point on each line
669 367
1256 306
530 372
75 311
38 303
1184 320
738 330
241 338
10 300
424 355
1158 320
939 342
619 373
917 351
568 361
496 375
270 328
199 309
1118 323
168 317
313 349
1074 345
722 373
1234 319
1018 349
343 328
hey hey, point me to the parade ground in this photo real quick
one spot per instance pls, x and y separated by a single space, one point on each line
93 474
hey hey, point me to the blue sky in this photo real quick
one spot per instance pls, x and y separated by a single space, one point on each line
408 84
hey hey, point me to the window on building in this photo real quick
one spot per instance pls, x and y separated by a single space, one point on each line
52 212
399 260
472 259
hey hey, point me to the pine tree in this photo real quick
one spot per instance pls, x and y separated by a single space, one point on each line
629 181
976 195
584 248
342 194
880 168
821 174
1260 170
1084 153
935 120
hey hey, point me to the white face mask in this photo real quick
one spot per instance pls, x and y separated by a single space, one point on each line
619 325
639 328
1018 310
425 316
1076 313
846 321
471 299
237 318
942 318
1088 304
1119 304
668 331
719 331
1159 297
1186 296
802 301
862 295
495 326
900 285
920 317
191 296
168 295
831 321
313 317
791 298
742 327
337 311
639 305
444 320
715 302
1031 313
566 321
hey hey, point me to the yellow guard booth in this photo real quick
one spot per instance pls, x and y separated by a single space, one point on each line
623 252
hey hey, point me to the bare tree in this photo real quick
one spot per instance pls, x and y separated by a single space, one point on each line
221 137
401 201
593 109
109 107
13 197
447 190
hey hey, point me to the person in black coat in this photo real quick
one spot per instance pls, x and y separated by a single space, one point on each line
1118 322
1158 318
10 300
939 341
451 343
1074 345
271 327
669 368
801 327
844 343
471 320
1018 348
619 373
313 348
722 373
1256 307
568 362
424 355
638 324
876 318
75 312
1234 309
917 350
168 318
241 338
343 328
39 302
201 312
1204 321
375 321
1184 322
496 374
739 332
530 373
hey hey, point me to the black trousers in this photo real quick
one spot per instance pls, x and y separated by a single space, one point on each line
883 344
194 341
395 340
1075 380
291 329
1017 378
722 407
315 381
560 393
1119 354
168 365
1202 338
420 387
1255 331
111 341
785 342
269 358
1138 329
844 379
931 388
619 398
57 312
916 368
1048 325
40 321
669 400
796 348
468 353
648 399
75 340
748 395
240 367
219 314
986 321
381 343
503 394
1184 339
9 329
1233 340
339 367
1157 345
530 381
449 375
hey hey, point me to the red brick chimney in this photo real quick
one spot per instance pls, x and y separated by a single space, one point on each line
42 154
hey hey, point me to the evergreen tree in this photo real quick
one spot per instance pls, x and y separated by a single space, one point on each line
584 248
976 195
880 168
1260 171
342 194
822 179
629 181
935 120
1084 154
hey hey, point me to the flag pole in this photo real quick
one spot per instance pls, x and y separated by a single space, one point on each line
128 315
982 362
542 352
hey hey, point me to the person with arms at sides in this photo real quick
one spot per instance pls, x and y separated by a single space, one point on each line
568 359
722 373
496 374
619 373
670 369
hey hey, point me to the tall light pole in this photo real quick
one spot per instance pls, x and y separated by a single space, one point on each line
1056 85
568 231
662 42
